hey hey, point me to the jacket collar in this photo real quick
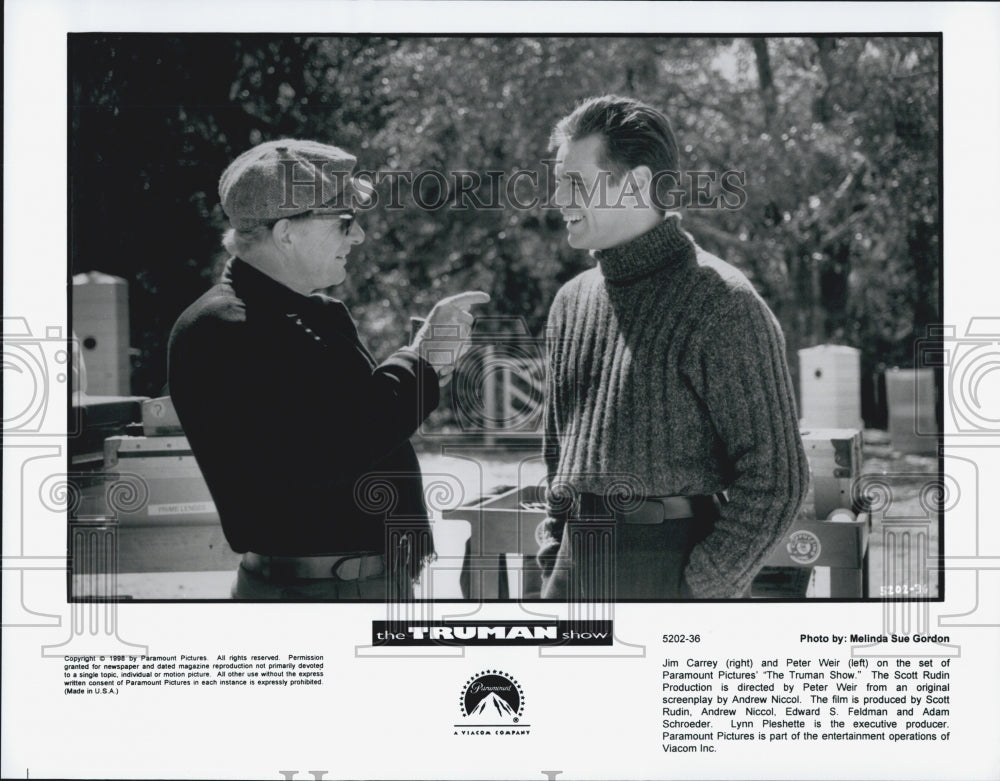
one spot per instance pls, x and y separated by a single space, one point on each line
256 287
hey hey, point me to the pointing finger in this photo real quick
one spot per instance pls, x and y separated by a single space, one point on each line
468 298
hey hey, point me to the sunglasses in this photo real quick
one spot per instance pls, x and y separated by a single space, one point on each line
347 218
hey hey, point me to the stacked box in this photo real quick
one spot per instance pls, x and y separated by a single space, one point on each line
100 417
912 419
101 323
159 418
829 531
830 385
177 528
834 463
503 543
166 465
839 544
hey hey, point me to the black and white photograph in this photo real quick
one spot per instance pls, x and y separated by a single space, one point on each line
586 372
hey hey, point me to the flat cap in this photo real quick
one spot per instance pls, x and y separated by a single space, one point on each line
286 177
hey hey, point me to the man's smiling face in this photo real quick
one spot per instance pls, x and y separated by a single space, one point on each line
322 243
597 212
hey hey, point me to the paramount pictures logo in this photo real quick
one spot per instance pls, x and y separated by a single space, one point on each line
492 703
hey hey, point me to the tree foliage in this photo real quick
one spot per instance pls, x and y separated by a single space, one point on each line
838 140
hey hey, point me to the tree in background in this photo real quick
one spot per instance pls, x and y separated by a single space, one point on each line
838 140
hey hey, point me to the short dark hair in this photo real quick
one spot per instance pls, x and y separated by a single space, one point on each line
634 133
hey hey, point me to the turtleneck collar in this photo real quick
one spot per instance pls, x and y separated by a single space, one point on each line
252 284
663 246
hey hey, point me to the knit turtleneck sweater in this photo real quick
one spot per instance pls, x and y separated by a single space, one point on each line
667 374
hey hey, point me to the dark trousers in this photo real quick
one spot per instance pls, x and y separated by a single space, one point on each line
602 558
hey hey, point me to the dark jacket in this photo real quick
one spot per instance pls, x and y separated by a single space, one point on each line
302 439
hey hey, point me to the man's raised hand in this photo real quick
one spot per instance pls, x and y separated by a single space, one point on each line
444 338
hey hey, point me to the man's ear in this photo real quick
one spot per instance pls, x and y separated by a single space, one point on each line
635 186
643 177
281 233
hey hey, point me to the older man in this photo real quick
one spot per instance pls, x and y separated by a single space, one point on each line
302 437
668 387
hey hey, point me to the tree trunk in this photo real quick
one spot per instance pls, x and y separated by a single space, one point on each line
765 78
822 110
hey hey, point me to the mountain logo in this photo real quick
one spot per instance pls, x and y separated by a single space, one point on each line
492 697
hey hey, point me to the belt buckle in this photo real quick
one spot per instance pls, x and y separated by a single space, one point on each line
348 568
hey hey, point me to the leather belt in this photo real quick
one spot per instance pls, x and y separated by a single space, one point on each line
342 566
649 511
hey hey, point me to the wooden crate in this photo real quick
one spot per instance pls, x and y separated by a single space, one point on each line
834 464
98 418
159 418
166 466
177 528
